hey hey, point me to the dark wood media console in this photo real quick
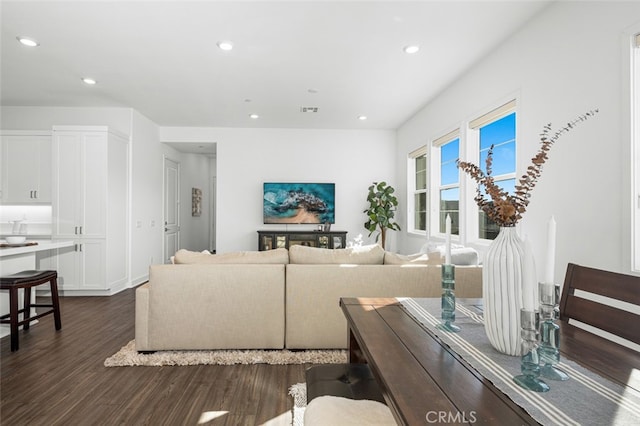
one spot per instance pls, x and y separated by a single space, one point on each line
268 240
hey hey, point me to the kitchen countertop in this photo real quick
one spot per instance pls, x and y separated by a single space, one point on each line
42 245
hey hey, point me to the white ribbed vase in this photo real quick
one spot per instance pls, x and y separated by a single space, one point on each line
502 276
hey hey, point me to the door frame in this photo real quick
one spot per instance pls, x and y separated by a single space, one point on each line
165 159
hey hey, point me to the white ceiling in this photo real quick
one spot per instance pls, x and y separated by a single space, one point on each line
160 57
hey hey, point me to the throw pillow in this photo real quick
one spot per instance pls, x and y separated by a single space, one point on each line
364 255
401 259
459 256
244 257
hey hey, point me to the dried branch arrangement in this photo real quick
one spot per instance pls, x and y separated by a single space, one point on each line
507 209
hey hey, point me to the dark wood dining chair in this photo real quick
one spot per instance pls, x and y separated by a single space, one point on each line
613 285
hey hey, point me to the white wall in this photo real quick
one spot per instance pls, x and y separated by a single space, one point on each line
43 118
248 157
146 197
568 60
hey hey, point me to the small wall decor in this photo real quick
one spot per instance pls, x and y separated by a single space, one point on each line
196 201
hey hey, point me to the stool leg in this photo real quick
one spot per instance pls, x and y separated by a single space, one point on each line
26 314
55 301
13 314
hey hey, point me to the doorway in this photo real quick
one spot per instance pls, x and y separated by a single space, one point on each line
171 209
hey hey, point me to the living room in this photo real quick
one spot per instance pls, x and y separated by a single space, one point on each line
565 59
560 76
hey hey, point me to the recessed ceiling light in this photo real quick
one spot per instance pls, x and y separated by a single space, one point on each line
362 117
28 41
411 49
89 81
225 45
254 116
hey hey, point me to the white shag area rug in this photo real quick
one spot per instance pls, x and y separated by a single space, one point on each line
299 394
127 356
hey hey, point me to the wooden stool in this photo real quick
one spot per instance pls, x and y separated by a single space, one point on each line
26 280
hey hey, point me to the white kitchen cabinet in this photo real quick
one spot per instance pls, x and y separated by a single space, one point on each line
90 206
80 160
26 167
82 266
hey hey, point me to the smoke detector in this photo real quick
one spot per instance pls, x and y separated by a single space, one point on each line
308 109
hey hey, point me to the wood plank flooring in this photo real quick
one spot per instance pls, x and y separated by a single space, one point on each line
58 378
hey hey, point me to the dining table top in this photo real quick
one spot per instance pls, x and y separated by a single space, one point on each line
421 374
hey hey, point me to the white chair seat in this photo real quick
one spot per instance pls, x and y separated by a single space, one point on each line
338 411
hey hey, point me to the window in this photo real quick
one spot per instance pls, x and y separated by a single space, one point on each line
449 190
497 129
434 185
418 179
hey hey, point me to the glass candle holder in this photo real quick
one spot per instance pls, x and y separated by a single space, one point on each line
529 362
448 300
550 332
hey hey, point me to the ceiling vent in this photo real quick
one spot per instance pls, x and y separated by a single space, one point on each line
308 109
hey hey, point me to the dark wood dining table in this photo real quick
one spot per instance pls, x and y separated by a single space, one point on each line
424 381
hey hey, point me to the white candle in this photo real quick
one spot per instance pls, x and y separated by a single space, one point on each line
551 252
447 241
529 278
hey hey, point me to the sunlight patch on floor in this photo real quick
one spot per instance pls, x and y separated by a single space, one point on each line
207 416
283 419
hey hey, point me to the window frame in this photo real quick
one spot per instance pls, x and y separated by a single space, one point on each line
634 106
472 218
413 191
436 179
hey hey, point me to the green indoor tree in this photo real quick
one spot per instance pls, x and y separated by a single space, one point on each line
382 207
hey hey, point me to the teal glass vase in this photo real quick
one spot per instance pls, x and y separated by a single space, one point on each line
448 300
530 361
549 349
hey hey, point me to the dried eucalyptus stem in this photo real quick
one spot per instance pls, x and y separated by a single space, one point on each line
507 209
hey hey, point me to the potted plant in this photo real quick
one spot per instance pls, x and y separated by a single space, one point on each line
381 211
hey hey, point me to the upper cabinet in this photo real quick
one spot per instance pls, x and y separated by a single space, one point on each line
80 205
26 167
90 183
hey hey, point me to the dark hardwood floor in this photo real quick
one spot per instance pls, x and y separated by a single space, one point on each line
58 378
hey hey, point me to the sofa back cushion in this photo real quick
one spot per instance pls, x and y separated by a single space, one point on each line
280 256
364 255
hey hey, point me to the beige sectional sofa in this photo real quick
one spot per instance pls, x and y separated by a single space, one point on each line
278 298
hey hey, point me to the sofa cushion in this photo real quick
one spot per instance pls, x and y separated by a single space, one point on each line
280 255
364 255
391 258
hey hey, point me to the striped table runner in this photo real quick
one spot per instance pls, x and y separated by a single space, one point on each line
585 399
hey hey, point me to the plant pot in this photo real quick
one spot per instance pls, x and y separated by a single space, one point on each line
502 280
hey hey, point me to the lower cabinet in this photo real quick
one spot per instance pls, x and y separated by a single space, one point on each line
82 266
88 268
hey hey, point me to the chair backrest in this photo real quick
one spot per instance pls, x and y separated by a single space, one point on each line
613 285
